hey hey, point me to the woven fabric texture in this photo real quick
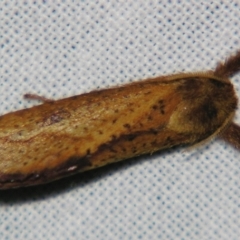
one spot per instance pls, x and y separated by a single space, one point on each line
62 48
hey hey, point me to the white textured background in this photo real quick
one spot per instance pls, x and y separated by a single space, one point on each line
62 48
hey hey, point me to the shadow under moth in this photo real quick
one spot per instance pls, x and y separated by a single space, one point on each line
59 138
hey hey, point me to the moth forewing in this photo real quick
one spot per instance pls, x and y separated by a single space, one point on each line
60 138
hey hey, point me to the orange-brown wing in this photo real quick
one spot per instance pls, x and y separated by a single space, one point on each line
59 138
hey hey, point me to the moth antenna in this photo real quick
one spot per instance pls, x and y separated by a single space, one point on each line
232 135
37 97
229 68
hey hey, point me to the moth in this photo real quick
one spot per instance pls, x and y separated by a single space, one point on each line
59 138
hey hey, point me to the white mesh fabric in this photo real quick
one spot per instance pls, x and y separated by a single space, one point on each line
63 48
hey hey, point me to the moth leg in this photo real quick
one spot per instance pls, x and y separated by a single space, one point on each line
37 97
229 67
232 135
